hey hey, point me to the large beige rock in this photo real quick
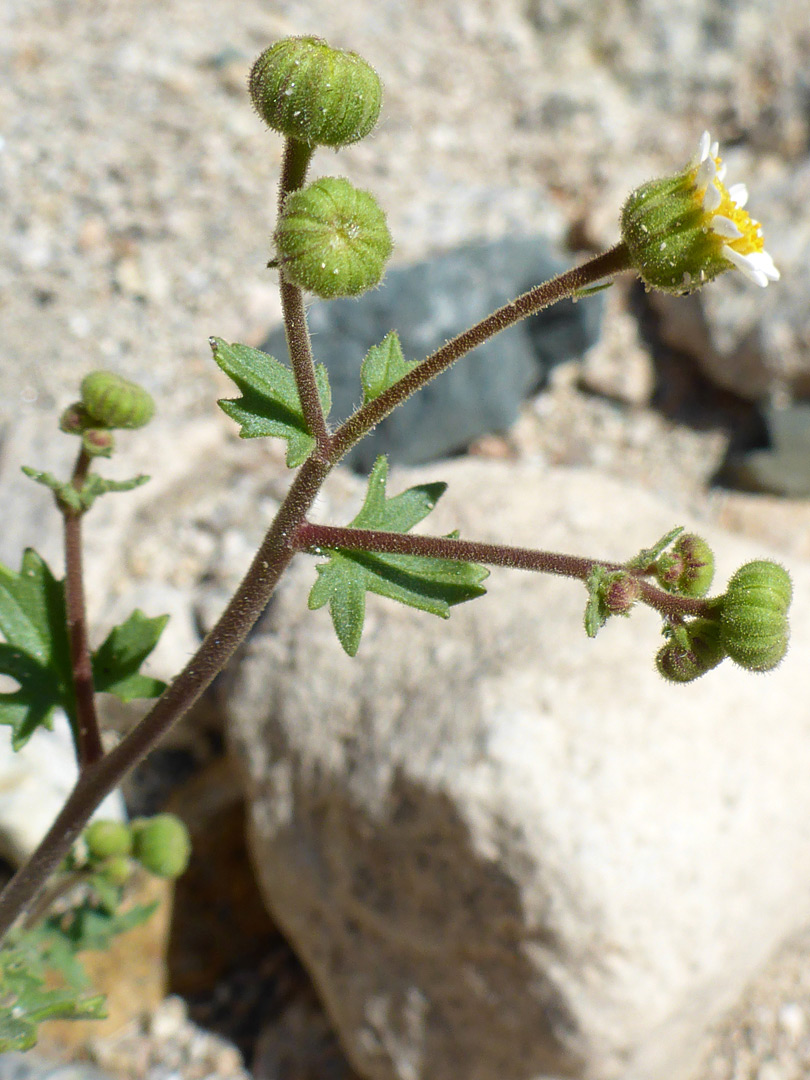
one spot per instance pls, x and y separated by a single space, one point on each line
504 850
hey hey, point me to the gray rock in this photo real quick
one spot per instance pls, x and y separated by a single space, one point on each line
28 1067
429 303
784 468
502 849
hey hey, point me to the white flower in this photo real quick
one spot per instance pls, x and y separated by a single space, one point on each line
726 217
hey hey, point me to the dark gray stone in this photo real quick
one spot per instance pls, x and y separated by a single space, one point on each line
429 303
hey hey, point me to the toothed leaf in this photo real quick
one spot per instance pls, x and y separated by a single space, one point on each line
383 366
270 404
429 584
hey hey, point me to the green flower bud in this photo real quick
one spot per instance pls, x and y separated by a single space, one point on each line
75 419
118 870
688 568
318 95
620 592
753 620
98 442
332 239
115 402
683 230
106 839
693 649
161 845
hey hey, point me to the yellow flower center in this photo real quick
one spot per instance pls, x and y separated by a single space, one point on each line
751 239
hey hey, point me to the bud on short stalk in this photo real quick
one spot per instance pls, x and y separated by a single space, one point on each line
114 402
693 649
161 845
308 91
332 239
753 620
688 568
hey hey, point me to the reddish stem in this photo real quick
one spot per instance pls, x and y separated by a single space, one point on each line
562 287
313 538
297 156
86 734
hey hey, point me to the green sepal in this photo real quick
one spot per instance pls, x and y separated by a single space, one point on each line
596 612
383 366
117 662
36 652
83 498
428 584
270 405
647 556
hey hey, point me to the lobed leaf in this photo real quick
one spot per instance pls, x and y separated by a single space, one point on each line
117 662
383 366
270 405
428 584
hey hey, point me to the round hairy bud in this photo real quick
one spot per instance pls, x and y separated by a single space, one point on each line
688 568
75 419
117 870
114 402
332 239
161 845
753 620
98 442
620 593
106 839
693 649
318 95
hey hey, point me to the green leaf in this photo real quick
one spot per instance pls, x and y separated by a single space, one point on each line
383 366
596 612
83 498
270 404
25 1002
116 663
36 652
429 584
647 556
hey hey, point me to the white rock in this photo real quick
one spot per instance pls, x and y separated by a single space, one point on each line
503 849
34 785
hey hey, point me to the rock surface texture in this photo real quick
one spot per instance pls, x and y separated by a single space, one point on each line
503 849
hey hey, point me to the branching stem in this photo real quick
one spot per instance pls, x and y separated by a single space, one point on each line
562 287
315 538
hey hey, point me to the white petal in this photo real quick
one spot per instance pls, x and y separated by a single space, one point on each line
703 148
706 173
721 172
725 227
711 198
714 149
764 263
751 265
738 193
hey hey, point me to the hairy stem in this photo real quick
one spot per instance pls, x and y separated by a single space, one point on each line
86 732
297 156
310 536
562 287
99 778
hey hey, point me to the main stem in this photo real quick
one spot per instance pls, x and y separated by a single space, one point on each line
86 733
276 551
297 156
219 645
